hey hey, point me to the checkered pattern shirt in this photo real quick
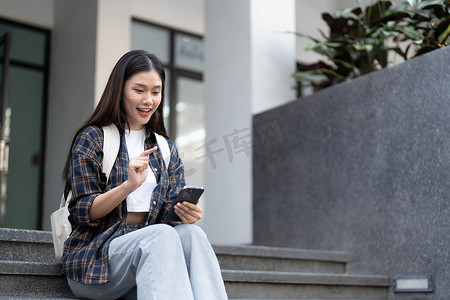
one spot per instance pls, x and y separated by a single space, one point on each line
85 256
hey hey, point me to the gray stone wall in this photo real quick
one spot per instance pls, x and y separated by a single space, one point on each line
364 167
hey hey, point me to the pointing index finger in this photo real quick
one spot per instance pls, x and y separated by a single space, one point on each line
148 151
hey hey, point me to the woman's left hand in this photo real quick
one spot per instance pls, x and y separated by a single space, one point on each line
189 213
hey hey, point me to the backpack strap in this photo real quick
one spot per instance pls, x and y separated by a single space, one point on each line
111 144
164 148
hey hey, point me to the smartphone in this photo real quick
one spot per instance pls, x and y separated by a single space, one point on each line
187 193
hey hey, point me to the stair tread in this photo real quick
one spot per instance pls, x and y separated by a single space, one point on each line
280 252
306 278
30 268
25 235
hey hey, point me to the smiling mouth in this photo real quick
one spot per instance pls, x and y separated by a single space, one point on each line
144 111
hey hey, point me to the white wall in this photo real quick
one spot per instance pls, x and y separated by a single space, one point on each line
272 53
186 15
35 12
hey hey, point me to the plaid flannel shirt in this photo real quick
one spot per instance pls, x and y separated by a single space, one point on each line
85 256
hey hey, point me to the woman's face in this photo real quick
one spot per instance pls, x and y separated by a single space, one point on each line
141 97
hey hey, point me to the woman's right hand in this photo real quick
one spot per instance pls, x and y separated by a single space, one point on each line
138 169
137 173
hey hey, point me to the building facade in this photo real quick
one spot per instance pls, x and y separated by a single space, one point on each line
225 61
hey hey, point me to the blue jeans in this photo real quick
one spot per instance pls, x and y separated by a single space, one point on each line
159 262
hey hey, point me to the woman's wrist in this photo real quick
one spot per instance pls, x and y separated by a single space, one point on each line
128 187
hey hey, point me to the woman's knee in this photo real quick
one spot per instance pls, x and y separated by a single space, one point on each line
159 231
157 240
191 231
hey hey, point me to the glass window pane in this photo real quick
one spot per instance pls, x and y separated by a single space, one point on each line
189 52
190 120
152 39
27 45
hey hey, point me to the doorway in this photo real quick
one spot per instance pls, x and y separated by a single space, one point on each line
24 65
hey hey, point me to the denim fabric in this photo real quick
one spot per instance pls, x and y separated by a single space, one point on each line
159 262
130 227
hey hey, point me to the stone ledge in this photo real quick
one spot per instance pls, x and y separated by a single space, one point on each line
285 253
34 286
25 235
29 268
306 278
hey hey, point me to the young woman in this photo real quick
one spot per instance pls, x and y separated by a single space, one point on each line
121 246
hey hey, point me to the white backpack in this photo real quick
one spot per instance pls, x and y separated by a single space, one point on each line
61 227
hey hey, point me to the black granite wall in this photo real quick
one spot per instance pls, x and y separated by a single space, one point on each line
363 166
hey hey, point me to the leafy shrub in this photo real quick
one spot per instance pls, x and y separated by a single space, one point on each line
360 40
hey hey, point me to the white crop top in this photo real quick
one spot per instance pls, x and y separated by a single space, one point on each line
139 199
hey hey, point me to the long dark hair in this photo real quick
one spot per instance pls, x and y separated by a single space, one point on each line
109 110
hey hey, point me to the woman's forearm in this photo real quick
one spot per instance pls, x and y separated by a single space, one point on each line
104 203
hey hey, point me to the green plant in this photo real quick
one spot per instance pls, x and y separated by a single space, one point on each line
360 40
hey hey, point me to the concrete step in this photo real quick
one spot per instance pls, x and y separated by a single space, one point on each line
33 279
261 258
37 279
26 245
290 285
